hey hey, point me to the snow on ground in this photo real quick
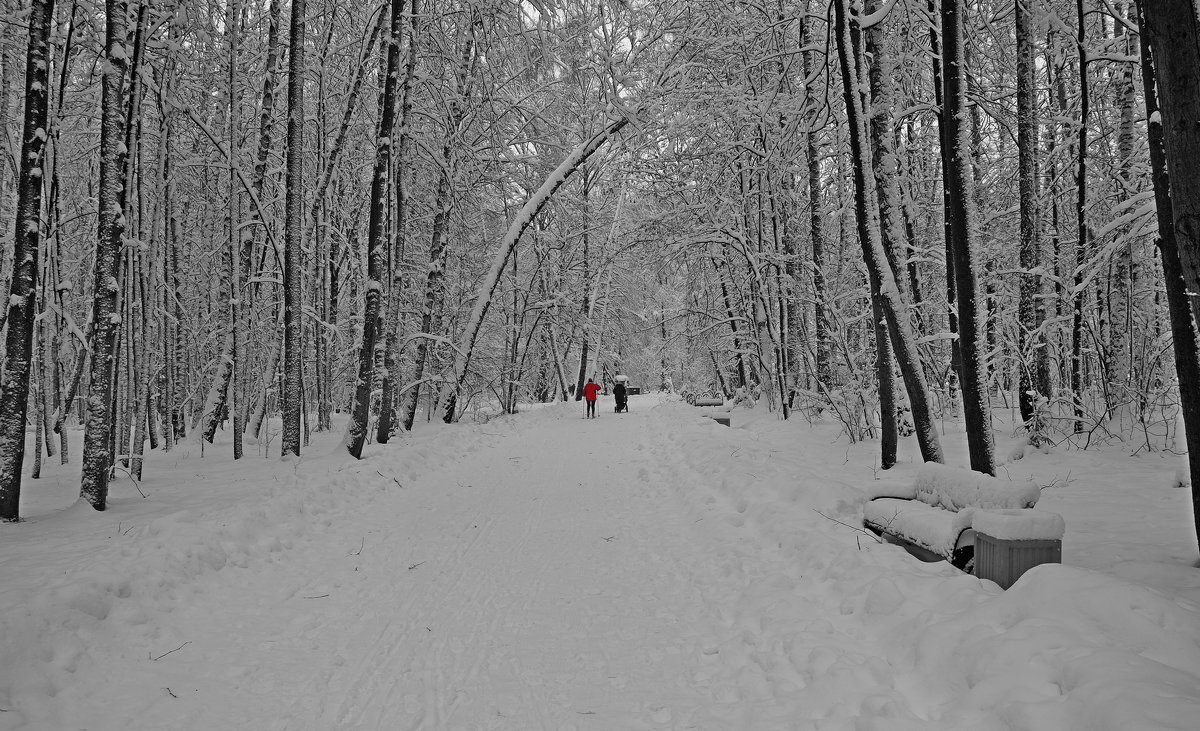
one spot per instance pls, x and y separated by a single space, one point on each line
651 570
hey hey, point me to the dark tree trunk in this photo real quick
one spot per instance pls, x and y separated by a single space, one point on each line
389 396
293 250
960 183
1174 48
1081 242
99 424
935 45
867 215
1033 381
356 432
18 341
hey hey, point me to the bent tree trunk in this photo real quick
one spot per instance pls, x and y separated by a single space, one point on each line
867 215
524 217
18 342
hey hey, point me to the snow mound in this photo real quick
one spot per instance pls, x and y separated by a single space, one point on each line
953 488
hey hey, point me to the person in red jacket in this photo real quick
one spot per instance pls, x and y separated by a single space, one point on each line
589 395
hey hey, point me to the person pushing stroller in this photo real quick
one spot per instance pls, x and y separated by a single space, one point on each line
620 395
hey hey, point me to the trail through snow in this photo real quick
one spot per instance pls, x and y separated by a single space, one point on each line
650 570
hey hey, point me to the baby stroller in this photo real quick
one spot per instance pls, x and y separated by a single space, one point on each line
620 396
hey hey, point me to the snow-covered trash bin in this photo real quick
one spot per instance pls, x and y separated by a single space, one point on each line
1010 542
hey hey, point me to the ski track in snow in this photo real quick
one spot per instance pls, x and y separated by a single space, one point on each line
650 570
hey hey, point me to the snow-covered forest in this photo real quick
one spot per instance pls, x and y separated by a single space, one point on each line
219 214
451 203
390 242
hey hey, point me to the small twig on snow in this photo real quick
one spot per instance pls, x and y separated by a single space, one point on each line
360 547
609 539
1058 482
156 659
410 568
851 527
318 596
132 479
170 693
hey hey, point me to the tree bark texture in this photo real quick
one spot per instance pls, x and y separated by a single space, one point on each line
99 424
1174 36
18 341
293 250
867 215
389 396
963 225
1034 378
356 432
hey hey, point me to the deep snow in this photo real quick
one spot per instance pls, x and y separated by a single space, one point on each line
651 570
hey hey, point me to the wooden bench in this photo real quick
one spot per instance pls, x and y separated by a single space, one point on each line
708 401
633 390
978 523
722 419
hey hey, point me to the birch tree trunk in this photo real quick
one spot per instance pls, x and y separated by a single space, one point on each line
891 228
18 341
963 225
1174 39
867 215
99 424
293 250
356 431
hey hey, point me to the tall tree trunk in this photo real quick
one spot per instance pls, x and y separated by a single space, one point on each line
98 428
239 255
389 396
891 229
935 45
356 431
18 341
1081 242
435 278
963 225
1174 40
293 251
1120 346
824 350
1031 313
867 215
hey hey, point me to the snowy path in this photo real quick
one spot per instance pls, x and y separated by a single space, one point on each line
643 571
537 583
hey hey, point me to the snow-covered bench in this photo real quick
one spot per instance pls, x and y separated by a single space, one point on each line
980 524
708 401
